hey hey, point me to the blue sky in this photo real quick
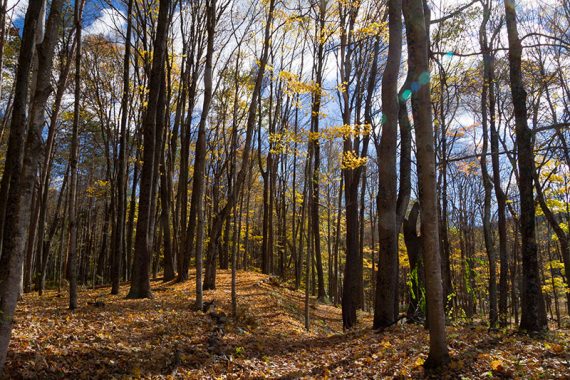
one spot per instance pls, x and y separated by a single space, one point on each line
92 12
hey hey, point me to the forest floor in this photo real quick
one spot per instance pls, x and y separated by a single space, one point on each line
112 337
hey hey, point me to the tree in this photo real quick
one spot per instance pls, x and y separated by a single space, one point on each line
15 184
352 285
314 144
119 242
487 180
73 157
386 306
418 66
200 158
220 217
140 281
533 313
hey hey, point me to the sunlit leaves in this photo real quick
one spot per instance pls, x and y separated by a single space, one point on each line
351 161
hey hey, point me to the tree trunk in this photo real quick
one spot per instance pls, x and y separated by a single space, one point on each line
140 281
119 243
533 317
315 149
352 285
73 157
418 65
196 202
14 222
413 247
487 181
169 273
385 310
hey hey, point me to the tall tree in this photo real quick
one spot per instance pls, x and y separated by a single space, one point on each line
386 303
418 66
352 285
499 193
14 220
314 147
73 158
533 312
197 201
487 179
140 281
119 242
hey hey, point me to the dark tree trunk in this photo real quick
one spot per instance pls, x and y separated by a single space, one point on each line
385 310
315 149
197 201
533 317
169 273
16 185
119 243
73 158
487 180
501 201
140 281
352 285
413 247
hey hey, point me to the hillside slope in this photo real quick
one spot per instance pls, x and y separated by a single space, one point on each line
110 336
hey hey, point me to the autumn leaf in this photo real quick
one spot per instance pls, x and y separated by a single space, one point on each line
497 366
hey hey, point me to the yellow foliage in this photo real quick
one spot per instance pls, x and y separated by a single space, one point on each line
294 85
351 161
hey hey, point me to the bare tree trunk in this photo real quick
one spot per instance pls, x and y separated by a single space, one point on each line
140 281
14 192
169 272
30 240
200 158
385 309
196 202
487 181
413 247
119 243
131 219
352 285
418 66
43 245
309 260
533 317
73 157
314 148
501 201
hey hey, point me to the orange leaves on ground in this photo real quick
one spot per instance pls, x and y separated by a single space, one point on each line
165 338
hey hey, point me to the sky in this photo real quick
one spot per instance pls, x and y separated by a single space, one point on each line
96 15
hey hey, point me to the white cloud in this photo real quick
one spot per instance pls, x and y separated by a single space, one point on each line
17 8
110 23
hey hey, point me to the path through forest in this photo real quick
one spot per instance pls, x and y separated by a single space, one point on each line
110 336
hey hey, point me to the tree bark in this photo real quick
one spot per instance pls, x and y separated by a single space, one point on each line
73 157
533 316
418 66
315 149
14 222
487 181
119 242
140 281
385 310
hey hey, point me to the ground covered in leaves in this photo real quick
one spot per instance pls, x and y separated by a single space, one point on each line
112 337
